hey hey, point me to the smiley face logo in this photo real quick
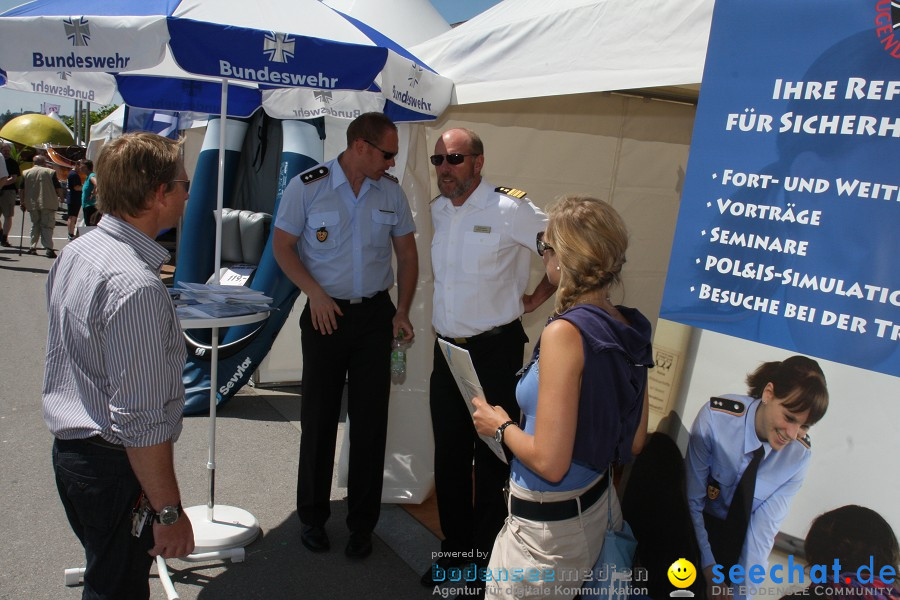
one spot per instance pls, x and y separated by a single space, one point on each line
682 573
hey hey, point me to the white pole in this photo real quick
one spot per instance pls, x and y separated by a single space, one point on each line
214 359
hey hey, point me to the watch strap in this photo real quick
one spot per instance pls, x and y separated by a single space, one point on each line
501 429
178 509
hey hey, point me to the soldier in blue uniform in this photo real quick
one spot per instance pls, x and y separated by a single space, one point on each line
335 232
747 458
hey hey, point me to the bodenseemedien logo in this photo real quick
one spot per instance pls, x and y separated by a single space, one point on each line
682 573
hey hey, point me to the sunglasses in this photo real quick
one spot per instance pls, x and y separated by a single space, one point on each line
453 159
542 246
186 182
387 155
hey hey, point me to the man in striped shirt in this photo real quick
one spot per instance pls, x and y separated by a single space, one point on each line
113 394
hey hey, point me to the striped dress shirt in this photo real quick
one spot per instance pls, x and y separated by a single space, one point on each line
115 351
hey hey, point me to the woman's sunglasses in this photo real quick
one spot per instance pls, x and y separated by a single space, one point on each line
542 246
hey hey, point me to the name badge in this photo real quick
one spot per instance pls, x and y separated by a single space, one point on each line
482 229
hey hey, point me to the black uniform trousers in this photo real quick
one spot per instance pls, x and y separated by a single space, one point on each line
358 351
472 522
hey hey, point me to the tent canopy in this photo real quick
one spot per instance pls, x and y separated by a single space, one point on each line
534 48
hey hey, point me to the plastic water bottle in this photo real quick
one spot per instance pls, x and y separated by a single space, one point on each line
398 359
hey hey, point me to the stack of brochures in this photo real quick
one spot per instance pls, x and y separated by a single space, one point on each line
204 300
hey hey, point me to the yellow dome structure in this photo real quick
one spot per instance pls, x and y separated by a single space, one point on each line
36 130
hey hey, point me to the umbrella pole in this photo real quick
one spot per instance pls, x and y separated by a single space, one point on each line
22 228
213 382
235 527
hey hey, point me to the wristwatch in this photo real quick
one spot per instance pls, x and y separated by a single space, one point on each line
168 515
499 433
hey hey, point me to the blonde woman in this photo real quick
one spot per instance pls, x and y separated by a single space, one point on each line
584 407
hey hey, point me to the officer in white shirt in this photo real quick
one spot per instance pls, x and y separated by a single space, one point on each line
484 238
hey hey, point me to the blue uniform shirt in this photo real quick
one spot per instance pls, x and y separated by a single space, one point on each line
345 240
720 448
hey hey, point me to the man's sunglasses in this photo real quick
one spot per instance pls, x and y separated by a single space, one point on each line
186 182
542 246
454 159
387 155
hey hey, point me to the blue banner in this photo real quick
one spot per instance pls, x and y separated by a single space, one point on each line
787 231
160 122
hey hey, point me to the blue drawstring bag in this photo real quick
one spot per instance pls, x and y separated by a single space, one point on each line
616 557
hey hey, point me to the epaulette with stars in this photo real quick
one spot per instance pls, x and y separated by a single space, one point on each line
391 177
805 441
728 406
517 194
314 174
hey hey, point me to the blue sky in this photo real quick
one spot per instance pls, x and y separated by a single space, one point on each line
453 11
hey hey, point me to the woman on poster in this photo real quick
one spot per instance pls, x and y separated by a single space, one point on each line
746 459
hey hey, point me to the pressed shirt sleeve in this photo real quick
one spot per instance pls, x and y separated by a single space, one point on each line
291 215
528 221
699 459
405 223
144 373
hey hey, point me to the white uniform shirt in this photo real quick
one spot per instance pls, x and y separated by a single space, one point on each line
481 258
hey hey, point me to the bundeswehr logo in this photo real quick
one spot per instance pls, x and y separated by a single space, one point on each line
78 31
323 96
279 47
415 73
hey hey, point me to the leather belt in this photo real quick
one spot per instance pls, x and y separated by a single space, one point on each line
95 440
352 301
459 341
558 511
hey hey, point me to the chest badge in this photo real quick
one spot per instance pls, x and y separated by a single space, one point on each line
321 234
712 490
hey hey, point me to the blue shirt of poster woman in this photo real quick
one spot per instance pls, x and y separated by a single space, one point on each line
721 445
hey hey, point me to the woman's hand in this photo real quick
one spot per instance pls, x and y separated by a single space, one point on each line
488 418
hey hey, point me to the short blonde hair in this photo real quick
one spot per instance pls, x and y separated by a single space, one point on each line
589 239
130 168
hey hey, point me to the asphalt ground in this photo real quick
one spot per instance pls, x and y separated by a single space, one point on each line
257 441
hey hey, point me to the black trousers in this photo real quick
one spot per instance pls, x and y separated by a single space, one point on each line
98 490
358 351
470 520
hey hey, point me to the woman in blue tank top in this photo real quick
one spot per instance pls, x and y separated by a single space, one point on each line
584 407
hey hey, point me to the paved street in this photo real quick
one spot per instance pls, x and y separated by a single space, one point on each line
257 439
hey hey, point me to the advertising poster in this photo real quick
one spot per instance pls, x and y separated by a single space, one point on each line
789 226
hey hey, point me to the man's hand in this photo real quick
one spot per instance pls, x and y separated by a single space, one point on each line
322 309
173 541
401 323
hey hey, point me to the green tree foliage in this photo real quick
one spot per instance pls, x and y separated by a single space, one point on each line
96 115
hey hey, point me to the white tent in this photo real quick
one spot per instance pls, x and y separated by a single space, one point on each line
533 78
566 96
110 127
534 48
